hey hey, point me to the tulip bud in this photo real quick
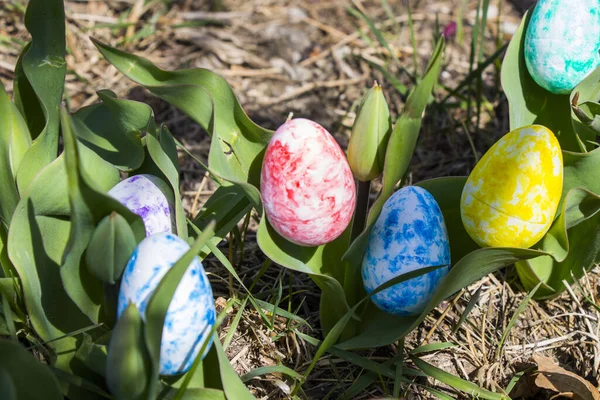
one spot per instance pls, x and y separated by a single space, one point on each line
128 364
111 245
370 134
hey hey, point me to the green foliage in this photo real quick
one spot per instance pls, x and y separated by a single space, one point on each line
573 119
24 377
112 130
64 242
14 143
370 135
530 104
39 85
458 383
237 144
110 246
128 366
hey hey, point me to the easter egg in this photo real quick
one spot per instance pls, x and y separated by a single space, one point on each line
408 235
150 198
512 194
191 313
562 43
306 184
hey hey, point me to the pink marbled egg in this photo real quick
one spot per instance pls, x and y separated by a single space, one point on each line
306 184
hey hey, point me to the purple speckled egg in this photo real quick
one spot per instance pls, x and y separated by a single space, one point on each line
150 198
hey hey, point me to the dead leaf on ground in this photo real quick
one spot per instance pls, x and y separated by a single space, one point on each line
567 384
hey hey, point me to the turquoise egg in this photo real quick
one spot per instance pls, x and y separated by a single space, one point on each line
409 234
562 43
191 313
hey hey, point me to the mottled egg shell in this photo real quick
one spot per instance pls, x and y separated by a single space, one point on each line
562 43
512 194
191 313
306 184
150 198
409 234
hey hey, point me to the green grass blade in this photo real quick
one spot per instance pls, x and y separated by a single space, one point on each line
457 383
281 312
472 303
359 14
514 318
439 394
399 364
190 374
475 73
234 324
8 316
233 387
459 22
353 358
271 369
390 14
413 41
515 379
432 347
158 304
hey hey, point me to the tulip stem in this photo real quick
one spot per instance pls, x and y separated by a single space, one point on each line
362 206
352 277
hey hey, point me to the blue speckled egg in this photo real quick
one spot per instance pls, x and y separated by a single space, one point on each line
562 43
190 315
150 198
409 234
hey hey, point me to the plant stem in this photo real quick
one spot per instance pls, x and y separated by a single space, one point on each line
362 206
358 225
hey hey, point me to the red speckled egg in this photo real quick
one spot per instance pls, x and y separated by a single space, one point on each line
306 184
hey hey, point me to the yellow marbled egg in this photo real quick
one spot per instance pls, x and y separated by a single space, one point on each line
513 192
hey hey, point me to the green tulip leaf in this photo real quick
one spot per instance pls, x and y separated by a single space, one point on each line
237 145
37 239
110 247
400 148
113 129
588 114
128 363
447 192
163 153
25 98
44 67
5 264
14 143
529 103
580 171
577 222
22 376
403 139
192 394
159 301
578 211
379 328
585 110
233 386
226 206
322 263
88 207
93 354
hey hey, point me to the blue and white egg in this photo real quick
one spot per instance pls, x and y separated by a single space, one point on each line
562 43
409 234
150 198
191 313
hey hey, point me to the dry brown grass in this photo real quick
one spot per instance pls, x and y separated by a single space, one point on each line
307 57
